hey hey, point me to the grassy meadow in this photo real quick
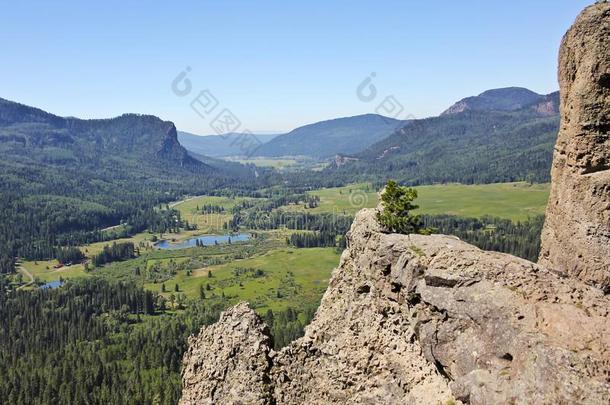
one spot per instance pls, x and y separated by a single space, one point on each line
514 201
288 277
206 223
279 163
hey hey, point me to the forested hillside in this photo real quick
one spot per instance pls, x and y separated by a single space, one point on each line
104 342
61 179
466 147
93 342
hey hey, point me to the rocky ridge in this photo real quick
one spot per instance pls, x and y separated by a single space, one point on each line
504 99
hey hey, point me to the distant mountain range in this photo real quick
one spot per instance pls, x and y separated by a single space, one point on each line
501 135
327 138
353 135
505 99
221 145
319 140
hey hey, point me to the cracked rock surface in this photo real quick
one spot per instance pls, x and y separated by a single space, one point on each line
229 361
576 236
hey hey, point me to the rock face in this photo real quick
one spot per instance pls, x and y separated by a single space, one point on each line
417 319
229 361
576 236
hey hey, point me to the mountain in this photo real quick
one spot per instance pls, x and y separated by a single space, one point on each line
63 179
327 138
505 99
473 146
35 135
222 145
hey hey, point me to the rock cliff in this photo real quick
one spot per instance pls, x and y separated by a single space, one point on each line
433 320
576 236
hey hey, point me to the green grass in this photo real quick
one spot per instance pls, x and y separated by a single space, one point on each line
165 261
342 200
300 275
44 271
281 163
93 249
206 223
515 201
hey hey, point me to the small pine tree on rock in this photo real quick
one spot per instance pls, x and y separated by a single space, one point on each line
396 216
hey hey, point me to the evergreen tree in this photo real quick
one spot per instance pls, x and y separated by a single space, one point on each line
397 204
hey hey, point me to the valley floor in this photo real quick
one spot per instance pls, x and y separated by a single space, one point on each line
310 267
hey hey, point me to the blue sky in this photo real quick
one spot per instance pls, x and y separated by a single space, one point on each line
275 64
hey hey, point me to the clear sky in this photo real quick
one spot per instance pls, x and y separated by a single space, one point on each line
275 64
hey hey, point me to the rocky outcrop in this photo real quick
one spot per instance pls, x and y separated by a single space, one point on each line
549 106
505 99
576 236
229 362
418 319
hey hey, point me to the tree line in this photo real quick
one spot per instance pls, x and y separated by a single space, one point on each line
114 253
521 238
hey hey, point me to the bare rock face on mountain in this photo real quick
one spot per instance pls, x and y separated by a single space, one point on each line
417 319
576 236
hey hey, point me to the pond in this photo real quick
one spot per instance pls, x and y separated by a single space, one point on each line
205 240
52 285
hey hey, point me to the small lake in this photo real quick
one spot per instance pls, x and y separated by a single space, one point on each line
52 285
205 240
